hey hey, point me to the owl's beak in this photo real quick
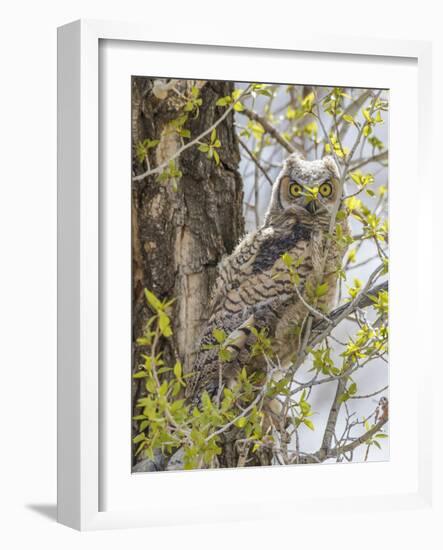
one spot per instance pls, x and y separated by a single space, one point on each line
312 206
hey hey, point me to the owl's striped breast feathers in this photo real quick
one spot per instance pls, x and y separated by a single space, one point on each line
251 282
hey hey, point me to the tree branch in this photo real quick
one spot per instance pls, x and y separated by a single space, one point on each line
357 442
255 161
360 134
270 129
362 300
333 416
321 455
369 394
245 411
352 109
376 158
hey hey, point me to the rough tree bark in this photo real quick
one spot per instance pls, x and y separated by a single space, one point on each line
179 237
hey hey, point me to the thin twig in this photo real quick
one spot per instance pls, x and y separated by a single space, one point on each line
270 129
343 312
359 441
255 161
369 394
376 158
158 169
245 411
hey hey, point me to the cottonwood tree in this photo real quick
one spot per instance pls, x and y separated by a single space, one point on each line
185 215
188 210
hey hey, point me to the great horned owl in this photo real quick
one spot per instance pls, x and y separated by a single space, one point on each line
254 287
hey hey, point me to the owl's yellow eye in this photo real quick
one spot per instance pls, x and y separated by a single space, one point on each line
325 189
295 189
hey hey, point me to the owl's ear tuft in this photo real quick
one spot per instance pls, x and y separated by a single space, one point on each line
331 165
292 162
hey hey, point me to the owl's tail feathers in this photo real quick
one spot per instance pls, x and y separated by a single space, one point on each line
264 316
238 343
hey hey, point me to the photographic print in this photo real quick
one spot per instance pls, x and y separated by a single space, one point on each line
259 274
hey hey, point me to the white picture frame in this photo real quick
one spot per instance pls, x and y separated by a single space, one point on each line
80 445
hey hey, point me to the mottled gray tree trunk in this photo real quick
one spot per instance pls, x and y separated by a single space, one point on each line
178 237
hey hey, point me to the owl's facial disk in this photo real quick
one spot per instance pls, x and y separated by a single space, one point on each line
314 197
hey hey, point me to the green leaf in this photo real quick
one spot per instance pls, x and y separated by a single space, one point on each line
163 389
376 143
321 290
257 129
164 324
139 437
367 130
178 370
287 259
150 143
140 374
143 425
163 369
152 300
356 176
367 115
223 101
177 405
219 335
352 390
353 203
143 341
241 422
224 355
309 424
343 397
308 102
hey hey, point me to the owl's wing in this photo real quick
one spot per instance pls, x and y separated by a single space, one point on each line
253 285
255 264
237 268
238 328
